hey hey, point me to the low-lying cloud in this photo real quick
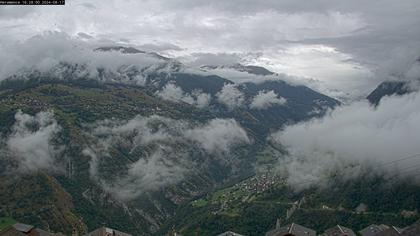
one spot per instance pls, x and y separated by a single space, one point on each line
218 135
47 52
266 99
165 150
30 144
230 96
173 93
353 136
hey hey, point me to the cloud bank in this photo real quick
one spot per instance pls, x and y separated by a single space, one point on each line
353 136
165 151
345 45
47 53
30 144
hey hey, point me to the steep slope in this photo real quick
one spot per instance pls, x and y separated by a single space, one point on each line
75 106
40 200
127 156
301 103
251 207
388 88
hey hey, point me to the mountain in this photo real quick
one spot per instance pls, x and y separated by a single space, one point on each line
300 103
410 83
255 70
388 88
252 206
110 146
129 50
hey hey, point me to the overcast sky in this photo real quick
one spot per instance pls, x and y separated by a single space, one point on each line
347 45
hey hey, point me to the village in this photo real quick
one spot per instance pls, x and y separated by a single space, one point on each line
293 229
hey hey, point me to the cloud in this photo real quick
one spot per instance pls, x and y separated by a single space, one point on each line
265 99
159 169
160 47
219 135
230 96
174 93
364 35
165 151
84 35
212 59
354 135
30 143
15 12
47 53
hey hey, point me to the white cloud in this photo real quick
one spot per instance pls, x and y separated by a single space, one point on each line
174 93
265 99
30 143
152 173
364 35
354 134
230 96
164 150
45 52
219 135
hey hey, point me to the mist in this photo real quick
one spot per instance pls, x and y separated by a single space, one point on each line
230 96
352 137
166 151
173 93
266 99
30 147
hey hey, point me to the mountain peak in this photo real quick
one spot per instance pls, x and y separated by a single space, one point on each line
251 69
129 50
122 49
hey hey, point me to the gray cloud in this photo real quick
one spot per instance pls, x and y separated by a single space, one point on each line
265 99
15 12
345 44
218 136
30 143
163 148
161 168
160 47
174 93
212 59
230 96
44 52
353 137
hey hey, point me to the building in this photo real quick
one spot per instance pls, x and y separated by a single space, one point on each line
20 229
229 233
338 231
412 230
104 231
291 230
408 214
373 230
391 231
361 208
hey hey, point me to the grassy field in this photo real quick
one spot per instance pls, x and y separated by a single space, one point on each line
199 203
6 222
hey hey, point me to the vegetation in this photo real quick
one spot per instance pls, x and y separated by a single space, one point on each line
251 212
6 222
205 203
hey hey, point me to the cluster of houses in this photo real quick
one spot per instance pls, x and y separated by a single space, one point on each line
338 230
20 229
292 229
